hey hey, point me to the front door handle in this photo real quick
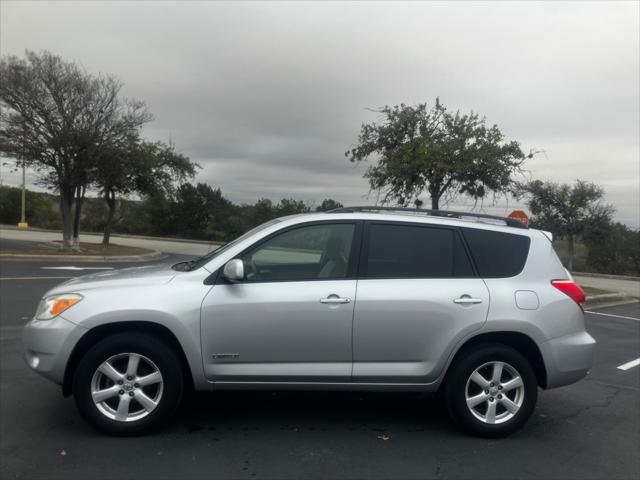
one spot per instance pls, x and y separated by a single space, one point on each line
467 300
335 300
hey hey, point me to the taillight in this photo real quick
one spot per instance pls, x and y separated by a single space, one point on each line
570 289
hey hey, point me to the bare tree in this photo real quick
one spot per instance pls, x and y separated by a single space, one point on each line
58 117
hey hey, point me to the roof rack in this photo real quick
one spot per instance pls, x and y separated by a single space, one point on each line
478 217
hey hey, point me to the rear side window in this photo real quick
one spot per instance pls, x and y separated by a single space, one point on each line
497 254
407 251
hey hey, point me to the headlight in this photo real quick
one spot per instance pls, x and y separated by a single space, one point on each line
53 306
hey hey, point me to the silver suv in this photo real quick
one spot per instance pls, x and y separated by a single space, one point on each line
477 308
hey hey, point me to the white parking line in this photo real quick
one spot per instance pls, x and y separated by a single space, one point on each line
631 364
611 315
31 278
71 267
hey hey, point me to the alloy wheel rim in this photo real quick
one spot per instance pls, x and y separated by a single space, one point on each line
127 387
494 392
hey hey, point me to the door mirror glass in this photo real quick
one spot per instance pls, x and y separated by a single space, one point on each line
233 270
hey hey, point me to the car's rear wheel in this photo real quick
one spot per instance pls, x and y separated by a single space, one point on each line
491 390
128 383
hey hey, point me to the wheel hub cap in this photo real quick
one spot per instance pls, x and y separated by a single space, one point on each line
494 392
127 387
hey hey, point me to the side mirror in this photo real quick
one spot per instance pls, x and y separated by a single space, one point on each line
233 270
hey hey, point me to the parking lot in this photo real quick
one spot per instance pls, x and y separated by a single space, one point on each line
587 430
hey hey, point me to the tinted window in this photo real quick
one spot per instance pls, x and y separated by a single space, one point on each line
312 252
497 254
406 251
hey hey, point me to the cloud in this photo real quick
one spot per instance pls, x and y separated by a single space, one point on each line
268 96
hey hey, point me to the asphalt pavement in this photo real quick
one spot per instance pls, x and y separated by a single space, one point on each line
19 245
587 430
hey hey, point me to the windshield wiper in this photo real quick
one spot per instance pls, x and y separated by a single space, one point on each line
183 266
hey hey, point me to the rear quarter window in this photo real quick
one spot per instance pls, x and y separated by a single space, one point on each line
497 254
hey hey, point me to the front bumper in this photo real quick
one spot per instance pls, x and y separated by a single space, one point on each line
568 358
48 345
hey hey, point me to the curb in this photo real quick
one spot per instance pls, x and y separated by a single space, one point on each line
608 298
154 255
606 275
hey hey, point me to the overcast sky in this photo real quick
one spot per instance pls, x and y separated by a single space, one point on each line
268 96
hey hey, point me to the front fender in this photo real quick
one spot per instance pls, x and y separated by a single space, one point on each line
174 306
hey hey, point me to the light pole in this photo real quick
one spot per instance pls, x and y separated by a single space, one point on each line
23 219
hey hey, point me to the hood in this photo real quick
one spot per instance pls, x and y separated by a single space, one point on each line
147 275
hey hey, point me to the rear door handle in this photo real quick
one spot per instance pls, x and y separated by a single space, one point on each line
467 300
335 300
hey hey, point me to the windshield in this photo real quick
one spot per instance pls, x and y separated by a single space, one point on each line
201 261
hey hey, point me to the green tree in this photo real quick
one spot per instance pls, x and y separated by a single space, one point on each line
142 168
566 210
41 207
611 247
290 206
156 216
55 117
419 148
201 212
262 212
328 204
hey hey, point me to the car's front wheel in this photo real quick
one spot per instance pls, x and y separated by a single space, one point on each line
491 390
128 383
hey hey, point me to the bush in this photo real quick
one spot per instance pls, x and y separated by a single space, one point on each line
615 250
41 209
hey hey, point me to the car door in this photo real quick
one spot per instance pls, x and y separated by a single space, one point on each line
291 319
417 293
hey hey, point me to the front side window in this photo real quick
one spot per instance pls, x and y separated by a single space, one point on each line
407 251
312 252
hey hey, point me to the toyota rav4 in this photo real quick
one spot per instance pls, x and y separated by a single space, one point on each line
474 307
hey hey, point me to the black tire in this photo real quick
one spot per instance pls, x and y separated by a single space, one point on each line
153 349
455 390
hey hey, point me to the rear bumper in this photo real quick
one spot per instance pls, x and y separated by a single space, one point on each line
48 345
568 358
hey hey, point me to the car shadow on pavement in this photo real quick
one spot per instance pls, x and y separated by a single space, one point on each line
312 410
